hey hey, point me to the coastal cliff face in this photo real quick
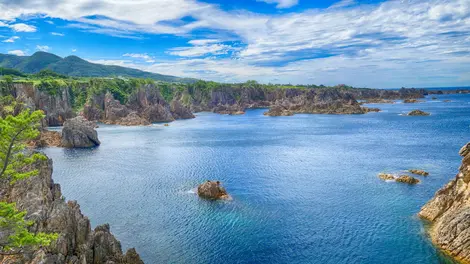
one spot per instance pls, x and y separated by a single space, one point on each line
312 101
146 102
47 208
449 213
57 107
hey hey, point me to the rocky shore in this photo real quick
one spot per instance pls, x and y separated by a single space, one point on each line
147 104
449 213
49 212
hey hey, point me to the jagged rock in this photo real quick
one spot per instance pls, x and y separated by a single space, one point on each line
278 111
419 172
48 211
379 101
113 109
411 101
449 213
418 113
132 119
407 179
179 111
212 190
229 109
57 107
371 109
386 176
79 133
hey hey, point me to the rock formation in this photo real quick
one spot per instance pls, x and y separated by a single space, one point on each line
57 107
418 113
212 190
79 133
379 101
411 101
49 212
449 213
407 179
419 172
278 111
371 109
386 176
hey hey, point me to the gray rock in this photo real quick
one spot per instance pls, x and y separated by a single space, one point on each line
449 213
79 133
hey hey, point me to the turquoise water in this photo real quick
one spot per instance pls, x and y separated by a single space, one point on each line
304 188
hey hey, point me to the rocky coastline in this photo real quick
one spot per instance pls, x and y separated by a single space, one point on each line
448 212
147 104
50 212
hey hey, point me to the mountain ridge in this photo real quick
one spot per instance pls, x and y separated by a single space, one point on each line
77 67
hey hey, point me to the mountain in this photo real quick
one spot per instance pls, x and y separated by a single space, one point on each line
75 66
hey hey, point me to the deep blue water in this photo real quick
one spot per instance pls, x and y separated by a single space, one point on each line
305 188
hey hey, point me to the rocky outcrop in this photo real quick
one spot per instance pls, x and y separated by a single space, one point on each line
377 94
278 111
79 133
57 107
179 111
387 176
411 101
449 213
379 101
371 109
419 172
418 113
407 179
212 190
49 212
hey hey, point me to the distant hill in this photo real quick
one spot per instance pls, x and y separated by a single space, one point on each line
75 66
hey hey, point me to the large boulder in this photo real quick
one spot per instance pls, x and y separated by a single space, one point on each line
79 133
212 190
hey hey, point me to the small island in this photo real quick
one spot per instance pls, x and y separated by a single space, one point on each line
418 113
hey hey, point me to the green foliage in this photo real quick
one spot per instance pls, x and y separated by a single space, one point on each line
11 72
166 91
50 86
49 73
6 86
13 224
14 132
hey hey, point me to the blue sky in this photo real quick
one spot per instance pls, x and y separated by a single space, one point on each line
363 43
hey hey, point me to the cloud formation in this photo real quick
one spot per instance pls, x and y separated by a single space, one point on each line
281 3
11 39
346 43
16 52
43 48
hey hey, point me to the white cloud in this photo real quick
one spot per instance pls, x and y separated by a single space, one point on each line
74 50
361 44
43 48
343 3
49 22
11 39
57 34
21 27
281 3
145 56
16 52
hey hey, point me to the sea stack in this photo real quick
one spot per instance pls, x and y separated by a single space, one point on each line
212 190
449 213
79 133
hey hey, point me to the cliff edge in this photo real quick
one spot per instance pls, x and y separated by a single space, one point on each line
449 213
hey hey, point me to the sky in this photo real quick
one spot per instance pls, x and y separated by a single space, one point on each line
364 43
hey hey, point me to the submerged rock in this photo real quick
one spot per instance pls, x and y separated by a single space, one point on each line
79 133
447 101
407 179
449 213
418 113
386 176
212 190
371 109
434 98
419 172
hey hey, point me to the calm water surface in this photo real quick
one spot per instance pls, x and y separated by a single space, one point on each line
305 188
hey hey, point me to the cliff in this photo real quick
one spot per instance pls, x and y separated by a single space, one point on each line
449 213
46 207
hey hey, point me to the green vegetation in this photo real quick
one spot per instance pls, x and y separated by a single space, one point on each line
77 67
15 131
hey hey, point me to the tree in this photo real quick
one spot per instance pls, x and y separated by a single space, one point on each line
15 130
